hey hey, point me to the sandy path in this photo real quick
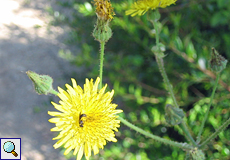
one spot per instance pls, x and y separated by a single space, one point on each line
23 46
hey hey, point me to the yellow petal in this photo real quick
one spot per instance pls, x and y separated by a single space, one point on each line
58 107
54 120
87 149
55 113
70 90
95 149
62 141
74 83
56 129
68 150
80 153
76 150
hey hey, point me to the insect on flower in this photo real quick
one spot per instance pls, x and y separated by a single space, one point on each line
81 119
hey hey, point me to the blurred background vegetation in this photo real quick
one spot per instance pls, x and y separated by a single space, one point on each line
189 30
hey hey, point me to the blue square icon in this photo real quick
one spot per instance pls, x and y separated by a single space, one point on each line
10 148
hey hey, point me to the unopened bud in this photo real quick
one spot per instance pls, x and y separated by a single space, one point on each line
42 83
197 154
102 32
217 62
156 15
173 115
159 50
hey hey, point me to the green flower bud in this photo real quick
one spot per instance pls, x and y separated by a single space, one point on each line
173 116
102 32
159 51
42 83
197 154
156 15
217 62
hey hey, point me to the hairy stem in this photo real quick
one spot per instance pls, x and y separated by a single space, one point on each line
187 133
102 48
162 140
169 88
215 134
209 105
166 80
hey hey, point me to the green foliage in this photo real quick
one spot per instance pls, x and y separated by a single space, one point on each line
188 30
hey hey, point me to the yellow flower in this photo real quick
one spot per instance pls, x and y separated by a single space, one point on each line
142 6
104 9
87 118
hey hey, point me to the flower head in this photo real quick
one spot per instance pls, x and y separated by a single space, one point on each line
104 9
87 118
142 6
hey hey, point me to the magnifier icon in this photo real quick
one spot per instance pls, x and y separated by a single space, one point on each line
9 147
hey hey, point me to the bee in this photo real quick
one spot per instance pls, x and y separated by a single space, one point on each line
81 123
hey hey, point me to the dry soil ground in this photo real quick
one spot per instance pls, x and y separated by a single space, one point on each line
25 46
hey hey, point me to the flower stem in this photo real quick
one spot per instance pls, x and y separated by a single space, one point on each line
161 65
165 141
166 80
209 105
221 128
187 133
169 88
102 45
52 91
